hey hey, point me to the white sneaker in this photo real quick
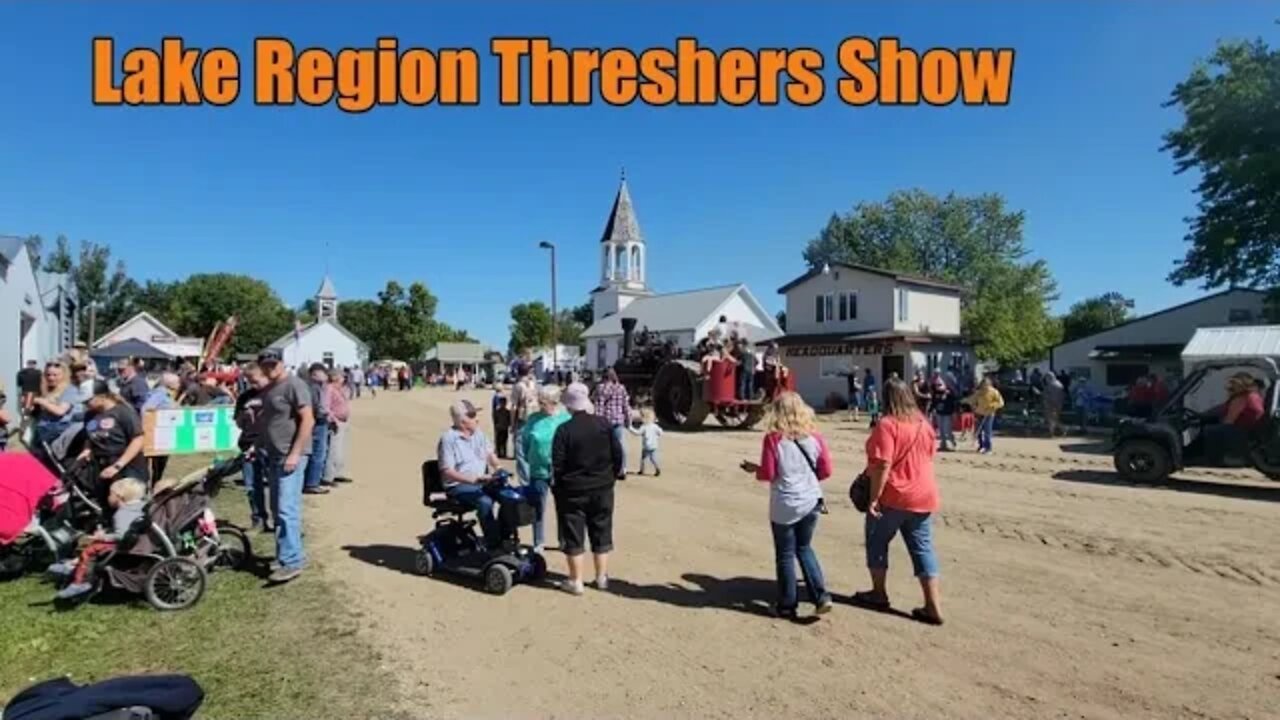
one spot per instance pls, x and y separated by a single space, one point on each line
571 587
602 582
539 549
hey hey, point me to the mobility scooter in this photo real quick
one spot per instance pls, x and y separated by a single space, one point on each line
453 546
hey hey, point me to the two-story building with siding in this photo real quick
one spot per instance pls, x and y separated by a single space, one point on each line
846 318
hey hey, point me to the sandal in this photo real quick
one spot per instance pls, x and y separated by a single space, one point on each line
926 617
870 600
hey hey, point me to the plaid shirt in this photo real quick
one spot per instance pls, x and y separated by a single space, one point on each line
612 403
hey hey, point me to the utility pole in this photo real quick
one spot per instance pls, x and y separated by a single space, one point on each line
555 321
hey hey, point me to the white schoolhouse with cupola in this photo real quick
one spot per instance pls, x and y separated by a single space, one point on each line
325 340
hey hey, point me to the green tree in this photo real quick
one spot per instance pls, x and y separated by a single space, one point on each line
1095 314
781 317
973 242
201 301
59 260
1230 135
530 326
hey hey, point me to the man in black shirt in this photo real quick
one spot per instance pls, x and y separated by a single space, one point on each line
133 386
586 460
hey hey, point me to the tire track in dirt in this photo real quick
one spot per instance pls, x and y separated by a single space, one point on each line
1211 566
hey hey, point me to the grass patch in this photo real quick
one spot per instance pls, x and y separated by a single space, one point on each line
285 652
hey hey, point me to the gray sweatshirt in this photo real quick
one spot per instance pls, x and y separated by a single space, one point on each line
649 434
124 516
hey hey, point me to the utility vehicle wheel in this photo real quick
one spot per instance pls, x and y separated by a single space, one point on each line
539 563
234 550
497 579
424 563
175 583
1143 461
1267 460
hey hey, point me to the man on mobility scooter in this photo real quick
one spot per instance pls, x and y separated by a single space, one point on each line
466 472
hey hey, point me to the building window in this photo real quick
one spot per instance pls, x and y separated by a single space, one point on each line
1239 315
1125 374
834 367
328 360
830 301
824 308
844 306
818 305
902 304
853 306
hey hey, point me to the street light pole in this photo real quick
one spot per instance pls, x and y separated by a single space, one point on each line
555 321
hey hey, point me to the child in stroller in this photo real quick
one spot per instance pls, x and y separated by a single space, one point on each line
127 499
167 550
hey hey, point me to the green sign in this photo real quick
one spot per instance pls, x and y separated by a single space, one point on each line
190 430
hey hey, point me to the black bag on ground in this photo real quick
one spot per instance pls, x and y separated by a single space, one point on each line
156 697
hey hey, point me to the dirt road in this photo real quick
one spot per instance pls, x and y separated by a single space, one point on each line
1067 593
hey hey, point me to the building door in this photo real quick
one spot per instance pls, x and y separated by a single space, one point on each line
894 364
26 339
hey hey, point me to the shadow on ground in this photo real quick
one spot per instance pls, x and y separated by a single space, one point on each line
1098 447
741 594
1200 487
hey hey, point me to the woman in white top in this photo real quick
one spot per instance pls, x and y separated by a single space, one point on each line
793 459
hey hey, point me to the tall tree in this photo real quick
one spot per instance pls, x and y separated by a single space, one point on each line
974 242
583 314
1230 136
59 259
201 301
1095 314
781 317
530 326
107 294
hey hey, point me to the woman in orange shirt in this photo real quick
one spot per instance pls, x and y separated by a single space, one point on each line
904 496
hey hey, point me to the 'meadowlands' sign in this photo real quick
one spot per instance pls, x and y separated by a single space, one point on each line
840 349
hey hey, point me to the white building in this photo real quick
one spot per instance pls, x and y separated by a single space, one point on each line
845 316
37 314
565 358
682 317
146 327
1112 359
325 340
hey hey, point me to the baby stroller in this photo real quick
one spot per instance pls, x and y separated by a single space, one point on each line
168 552
455 547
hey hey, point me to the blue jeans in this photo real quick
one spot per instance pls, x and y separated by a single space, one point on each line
476 498
620 432
986 424
746 383
319 453
946 437
538 489
652 456
255 486
286 508
917 533
791 543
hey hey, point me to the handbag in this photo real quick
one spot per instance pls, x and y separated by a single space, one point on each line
822 504
860 490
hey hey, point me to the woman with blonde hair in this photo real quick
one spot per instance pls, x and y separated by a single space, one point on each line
59 404
904 496
794 459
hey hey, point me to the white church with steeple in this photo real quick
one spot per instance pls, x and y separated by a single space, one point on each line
325 340
682 317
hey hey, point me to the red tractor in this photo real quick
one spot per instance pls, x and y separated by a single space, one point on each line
681 393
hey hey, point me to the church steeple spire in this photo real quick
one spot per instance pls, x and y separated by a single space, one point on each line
326 300
622 256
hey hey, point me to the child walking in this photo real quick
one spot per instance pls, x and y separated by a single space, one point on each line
649 432
127 497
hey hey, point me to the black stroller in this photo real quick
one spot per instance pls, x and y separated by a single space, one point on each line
168 552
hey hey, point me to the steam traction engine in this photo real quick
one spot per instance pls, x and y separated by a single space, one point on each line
681 394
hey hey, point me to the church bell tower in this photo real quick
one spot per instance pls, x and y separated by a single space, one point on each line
326 302
623 253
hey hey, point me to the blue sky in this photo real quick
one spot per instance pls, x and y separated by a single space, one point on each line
460 197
